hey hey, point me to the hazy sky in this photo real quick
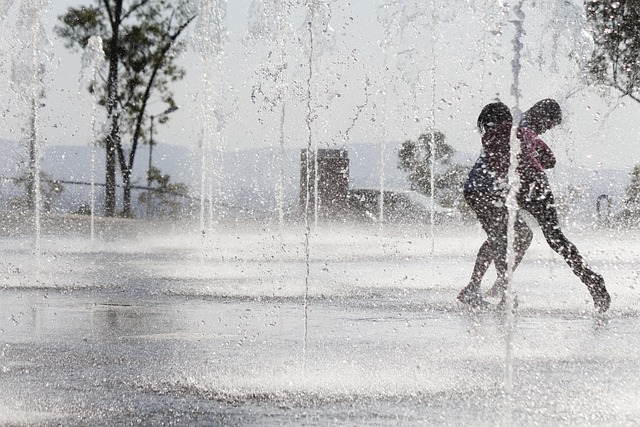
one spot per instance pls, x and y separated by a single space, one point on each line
437 71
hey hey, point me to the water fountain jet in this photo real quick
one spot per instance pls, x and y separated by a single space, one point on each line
92 60
28 74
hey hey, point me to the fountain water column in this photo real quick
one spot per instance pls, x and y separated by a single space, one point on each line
268 21
281 172
318 14
483 63
281 23
218 111
555 37
312 145
35 192
316 174
221 126
310 149
553 68
512 205
205 148
29 70
432 145
201 44
203 168
92 59
383 109
210 36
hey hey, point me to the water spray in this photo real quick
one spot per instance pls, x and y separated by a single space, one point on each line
512 205
210 38
28 78
385 54
310 150
432 145
92 60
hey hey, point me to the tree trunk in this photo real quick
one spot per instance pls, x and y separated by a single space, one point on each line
110 177
127 167
115 17
126 194
126 171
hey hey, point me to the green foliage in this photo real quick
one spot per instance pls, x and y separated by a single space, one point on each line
415 159
140 42
633 190
616 35
164 200
79 24
147 48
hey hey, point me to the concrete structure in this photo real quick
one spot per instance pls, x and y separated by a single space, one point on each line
332 179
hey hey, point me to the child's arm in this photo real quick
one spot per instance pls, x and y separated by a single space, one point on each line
543 154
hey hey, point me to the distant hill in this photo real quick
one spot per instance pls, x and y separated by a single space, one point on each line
243 177
250 178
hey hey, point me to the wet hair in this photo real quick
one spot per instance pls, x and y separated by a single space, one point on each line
543 116
492 115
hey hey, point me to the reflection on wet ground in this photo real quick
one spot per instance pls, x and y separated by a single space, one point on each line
134 332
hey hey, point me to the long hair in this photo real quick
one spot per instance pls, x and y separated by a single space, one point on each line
492 115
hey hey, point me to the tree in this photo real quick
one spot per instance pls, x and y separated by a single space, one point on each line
633 190
415 159
162 201
141 42
615 60
631 212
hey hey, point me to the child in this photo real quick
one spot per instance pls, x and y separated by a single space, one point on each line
535 194
485 191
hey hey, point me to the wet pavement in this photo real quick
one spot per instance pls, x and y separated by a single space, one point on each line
170 328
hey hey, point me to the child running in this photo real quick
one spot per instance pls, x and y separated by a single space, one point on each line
536 197
485 191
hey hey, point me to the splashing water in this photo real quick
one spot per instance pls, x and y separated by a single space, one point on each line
283 30
512 206
92 60
27 80
432 166
269 22
378 310
311 148
210 37
404 24
386 22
